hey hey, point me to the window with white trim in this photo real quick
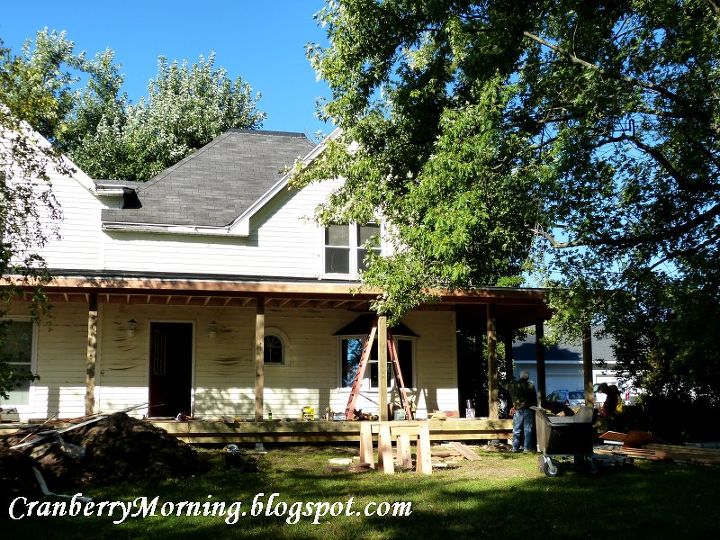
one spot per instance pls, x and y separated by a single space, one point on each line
351 353
347 246
16 349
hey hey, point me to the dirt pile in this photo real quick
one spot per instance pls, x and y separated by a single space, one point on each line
16 476
117 447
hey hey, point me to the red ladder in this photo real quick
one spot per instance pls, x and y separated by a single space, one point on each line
365 356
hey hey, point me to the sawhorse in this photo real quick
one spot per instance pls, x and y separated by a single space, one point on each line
403 434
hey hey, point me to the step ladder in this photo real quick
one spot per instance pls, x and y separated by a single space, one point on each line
365 356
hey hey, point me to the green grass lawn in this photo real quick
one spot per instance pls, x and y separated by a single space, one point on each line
500 496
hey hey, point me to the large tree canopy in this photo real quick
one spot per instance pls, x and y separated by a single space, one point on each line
576 139
86 115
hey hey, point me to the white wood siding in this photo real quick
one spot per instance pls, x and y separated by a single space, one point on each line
79 245
283 242
61 354
223 370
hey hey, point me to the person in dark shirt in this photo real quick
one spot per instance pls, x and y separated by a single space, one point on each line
523 396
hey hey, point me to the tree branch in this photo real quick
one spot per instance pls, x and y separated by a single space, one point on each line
553 241
575 60
666 234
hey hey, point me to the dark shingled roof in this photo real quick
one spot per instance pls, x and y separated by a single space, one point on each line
217 183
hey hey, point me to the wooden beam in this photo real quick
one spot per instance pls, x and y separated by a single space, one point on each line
587 366
91 358
382 367
227 301
540 359
246 301
259 358
207 300
493 397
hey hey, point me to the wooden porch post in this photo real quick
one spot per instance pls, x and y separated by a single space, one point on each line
587 366
493 397
259 358
91 355
382 367
540 359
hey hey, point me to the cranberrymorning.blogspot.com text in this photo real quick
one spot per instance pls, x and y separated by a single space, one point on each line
262 505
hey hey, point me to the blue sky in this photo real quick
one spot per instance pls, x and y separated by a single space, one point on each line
261 41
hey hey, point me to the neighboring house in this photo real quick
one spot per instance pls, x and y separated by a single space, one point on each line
563 363
210 290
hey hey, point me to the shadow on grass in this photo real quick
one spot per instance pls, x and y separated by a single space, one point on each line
649 501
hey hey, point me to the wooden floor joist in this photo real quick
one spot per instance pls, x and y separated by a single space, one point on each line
298 432
216 432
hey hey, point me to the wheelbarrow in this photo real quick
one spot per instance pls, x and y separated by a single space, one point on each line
561 437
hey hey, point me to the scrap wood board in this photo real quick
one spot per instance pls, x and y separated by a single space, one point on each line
643 453
686 453
464 450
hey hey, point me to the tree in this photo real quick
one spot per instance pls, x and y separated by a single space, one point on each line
87 116
28 209
187 107
574 140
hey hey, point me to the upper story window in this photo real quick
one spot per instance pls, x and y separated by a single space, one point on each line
17 350
347 246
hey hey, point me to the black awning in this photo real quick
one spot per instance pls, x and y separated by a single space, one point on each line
361 327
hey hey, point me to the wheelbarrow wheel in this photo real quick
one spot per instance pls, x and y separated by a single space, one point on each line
551 467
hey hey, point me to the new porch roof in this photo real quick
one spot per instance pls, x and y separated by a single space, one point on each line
514 307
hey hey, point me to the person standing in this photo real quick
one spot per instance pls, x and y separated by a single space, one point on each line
523 395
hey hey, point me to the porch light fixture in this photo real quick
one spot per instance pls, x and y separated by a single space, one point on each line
212 330
130 329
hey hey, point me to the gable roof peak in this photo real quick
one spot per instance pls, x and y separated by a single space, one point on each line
216 183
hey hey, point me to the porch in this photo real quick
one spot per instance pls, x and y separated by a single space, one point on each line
234 314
